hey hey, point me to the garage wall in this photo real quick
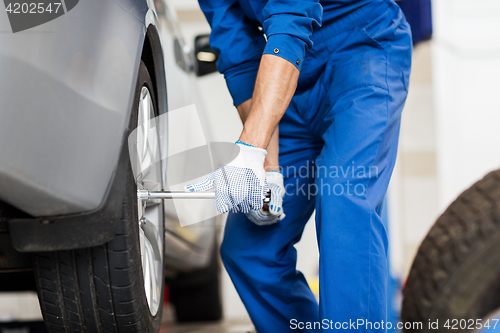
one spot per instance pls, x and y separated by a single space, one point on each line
449 134
466 67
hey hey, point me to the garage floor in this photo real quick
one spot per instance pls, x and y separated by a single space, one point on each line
169 326
224 327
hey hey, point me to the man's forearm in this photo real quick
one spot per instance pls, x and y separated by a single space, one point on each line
275 85
244 110
272 161
272 157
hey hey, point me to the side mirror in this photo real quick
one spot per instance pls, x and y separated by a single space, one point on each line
206 58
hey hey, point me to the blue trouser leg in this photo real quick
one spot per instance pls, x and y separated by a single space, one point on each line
344 119
362 94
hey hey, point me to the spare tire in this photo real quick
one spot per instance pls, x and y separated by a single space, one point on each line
454 281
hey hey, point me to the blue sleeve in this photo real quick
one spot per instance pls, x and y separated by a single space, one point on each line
289 25
239 44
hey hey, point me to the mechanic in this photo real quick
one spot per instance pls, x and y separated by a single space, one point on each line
334 76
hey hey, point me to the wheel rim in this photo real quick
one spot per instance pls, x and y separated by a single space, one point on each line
150 212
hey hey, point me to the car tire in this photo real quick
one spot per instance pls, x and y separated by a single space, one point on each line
101 289
196 295
454 279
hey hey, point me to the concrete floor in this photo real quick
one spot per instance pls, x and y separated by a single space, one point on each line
225 326
222 327
35 325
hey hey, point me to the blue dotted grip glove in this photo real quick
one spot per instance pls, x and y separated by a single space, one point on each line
240 186
261 217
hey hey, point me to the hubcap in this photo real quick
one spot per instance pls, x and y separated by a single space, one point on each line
150 212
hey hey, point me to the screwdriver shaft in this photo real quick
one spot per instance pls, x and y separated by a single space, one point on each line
145 195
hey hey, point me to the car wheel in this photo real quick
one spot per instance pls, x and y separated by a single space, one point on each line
196 295
116 287
454 279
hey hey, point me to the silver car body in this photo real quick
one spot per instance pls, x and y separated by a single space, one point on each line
66 91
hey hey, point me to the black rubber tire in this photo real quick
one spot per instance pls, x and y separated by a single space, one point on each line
456 272
101 289
196 295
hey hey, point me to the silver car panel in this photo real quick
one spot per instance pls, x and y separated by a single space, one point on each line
66 89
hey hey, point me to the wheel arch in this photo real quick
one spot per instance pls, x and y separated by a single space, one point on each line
152 56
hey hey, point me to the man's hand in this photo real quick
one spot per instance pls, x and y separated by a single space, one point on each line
240 186
275 213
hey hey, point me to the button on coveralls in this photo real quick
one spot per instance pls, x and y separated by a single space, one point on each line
338 143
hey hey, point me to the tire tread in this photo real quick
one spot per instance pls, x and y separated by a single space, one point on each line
463 228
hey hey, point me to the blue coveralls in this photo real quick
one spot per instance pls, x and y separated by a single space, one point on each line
338 143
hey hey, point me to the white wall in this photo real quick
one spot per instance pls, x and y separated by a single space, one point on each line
466 68
185 5
449 134
21 306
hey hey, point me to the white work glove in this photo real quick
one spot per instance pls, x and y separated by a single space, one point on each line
240 186
261 217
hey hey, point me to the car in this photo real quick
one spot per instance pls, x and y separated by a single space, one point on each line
73 89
